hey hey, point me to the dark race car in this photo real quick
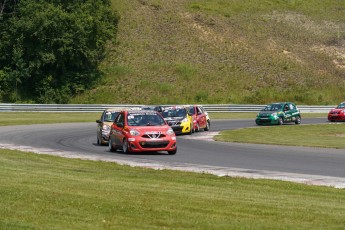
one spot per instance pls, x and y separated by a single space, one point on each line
179 119
104 123
157 108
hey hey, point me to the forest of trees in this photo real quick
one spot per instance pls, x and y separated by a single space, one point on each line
50 50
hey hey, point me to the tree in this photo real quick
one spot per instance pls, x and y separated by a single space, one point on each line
52 49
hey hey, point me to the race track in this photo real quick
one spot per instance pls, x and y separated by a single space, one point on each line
196 152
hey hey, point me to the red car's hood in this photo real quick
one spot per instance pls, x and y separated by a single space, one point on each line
336 110
144 129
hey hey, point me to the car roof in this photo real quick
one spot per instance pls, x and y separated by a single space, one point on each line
142 112
174 107
119 109
274 103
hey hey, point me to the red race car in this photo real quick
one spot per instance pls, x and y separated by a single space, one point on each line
141 131
337 114
201 118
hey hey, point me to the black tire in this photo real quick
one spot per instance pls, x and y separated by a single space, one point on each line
125 146
190 129
111 147
173 152
197 127
280 121
298 120
98 142
207 126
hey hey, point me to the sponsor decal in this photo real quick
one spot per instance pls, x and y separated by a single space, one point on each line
153 135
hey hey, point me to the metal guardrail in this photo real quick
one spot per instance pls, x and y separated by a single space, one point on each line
235 108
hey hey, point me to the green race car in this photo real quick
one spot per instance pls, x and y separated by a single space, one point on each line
278 114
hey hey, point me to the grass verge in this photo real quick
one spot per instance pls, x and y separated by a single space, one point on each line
47 192
253 115
28 118
324 135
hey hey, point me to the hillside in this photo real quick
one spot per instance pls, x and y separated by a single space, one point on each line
225 51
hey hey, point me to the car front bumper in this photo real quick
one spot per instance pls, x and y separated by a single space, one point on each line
184 127
267 120
336 117
140 144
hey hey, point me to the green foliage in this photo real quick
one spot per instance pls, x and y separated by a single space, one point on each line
51 50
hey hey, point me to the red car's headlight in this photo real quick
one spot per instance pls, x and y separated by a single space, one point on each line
134 132
170 131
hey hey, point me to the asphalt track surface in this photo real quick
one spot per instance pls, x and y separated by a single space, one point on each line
197 152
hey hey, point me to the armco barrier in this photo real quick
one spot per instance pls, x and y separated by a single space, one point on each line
235 108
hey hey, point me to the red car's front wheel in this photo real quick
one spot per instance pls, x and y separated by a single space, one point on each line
173 152
111 148
125 146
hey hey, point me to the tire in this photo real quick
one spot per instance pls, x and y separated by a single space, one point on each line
207 126
101 142
280 121
173 152
197 127
111 148
190 129
298 120
125 146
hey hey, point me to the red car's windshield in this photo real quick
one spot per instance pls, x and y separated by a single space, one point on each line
145 119
341 106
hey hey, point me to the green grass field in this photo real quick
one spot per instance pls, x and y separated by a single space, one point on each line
46 192
29 118
330 135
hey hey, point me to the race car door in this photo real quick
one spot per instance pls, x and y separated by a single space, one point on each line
118 129
288 112
201 117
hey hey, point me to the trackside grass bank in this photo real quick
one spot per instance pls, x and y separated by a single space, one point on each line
47 192
331 135
224 51
28 118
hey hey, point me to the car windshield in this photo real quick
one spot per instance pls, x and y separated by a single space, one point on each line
341 106
110 116
273 107
145 119
174 113
148 108
191 110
